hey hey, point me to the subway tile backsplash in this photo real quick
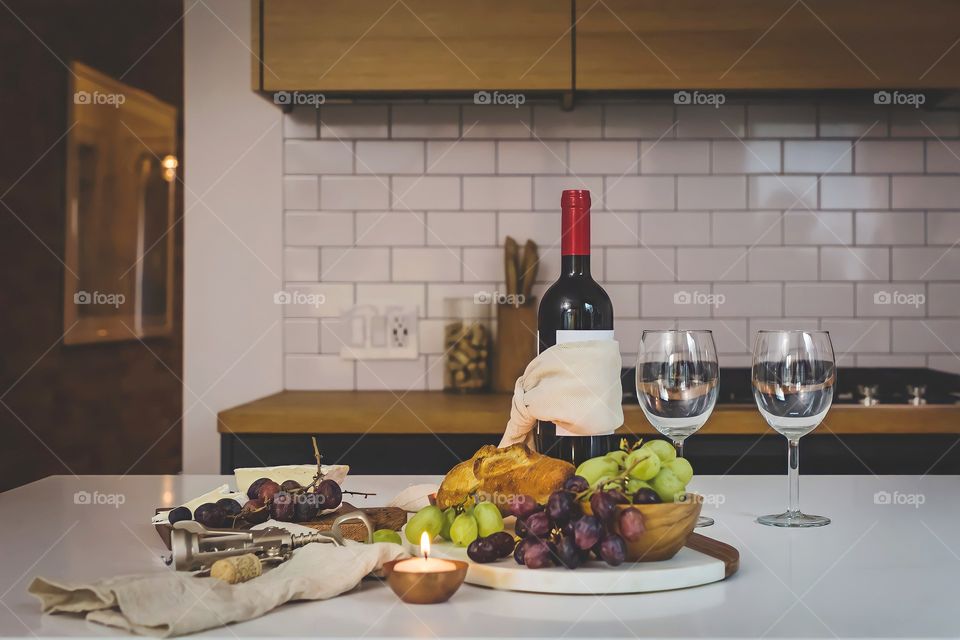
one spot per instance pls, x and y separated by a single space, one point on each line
751 216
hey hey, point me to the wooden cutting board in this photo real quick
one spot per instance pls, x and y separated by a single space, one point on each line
381 518
703 560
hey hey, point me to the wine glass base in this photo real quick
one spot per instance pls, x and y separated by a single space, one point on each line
793 519
704 521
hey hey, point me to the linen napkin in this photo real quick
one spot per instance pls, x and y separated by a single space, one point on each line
172 603
575 385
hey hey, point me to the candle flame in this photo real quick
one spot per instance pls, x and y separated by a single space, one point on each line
425 544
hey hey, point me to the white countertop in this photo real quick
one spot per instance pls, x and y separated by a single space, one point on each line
880 570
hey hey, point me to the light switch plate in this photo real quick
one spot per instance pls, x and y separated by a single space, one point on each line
380 332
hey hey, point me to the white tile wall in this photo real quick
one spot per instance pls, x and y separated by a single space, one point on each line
844 217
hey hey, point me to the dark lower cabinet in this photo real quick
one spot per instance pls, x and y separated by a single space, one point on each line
718 454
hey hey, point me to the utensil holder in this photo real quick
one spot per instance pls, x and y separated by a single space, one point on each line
516 343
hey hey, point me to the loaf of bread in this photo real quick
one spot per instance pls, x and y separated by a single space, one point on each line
496 474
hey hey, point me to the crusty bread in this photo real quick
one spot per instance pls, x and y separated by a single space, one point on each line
496 474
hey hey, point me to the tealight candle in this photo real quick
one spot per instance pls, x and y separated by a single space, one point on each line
425 580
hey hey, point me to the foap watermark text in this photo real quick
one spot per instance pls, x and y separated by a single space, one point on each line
699 98
699 297
299 297
499 97
114 300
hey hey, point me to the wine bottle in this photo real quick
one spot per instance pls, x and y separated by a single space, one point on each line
575 308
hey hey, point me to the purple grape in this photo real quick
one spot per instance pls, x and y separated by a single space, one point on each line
520 529
331 495
586 532
253 491
562 506
566 529
568 555
482 550
646 496
267 490
306 506
503 542
283 507
631 524
520 550
290 485
613 550
254 512
178 514
604 504
576 484
537 554
537 524
230 506
210 515
522 505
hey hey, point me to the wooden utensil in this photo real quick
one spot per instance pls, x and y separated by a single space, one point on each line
528 269
511 252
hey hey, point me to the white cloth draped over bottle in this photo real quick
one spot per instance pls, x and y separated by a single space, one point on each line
575 385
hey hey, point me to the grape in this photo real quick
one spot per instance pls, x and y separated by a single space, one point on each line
604 503
668 485
503 542
254 512
576 484
331 495
283 507
520 550
307 506
537 554
522 505
566 528
643 463
586 532
210 515
488 518
482 550
290 485
267 490
253 491
178 514
230 506
646 495
387 535
681 468
595 468
520 528
464 530
613 550
631 524
567 553
634 485
562 506
429 519
449 514
537 524
619 456
664 450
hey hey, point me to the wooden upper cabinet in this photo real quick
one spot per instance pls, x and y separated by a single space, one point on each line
414 45
767 44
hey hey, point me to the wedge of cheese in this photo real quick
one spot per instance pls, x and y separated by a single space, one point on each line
302 473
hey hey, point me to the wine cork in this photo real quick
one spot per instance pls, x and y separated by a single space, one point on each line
237 569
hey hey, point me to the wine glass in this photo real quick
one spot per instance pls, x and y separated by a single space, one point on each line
794 373
677 383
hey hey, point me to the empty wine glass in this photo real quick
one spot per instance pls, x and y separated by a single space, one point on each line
677 377
794 373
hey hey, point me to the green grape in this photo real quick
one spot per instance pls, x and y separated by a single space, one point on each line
387 535
429 519
662 448
681 467
488 519
595 468
634 485
464 530
619 456
668 486
643 463
449 514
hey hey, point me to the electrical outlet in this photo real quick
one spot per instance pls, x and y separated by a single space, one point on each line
381 332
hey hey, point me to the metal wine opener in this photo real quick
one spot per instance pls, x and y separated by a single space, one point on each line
195 547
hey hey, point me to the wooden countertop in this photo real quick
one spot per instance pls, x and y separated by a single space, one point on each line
420 412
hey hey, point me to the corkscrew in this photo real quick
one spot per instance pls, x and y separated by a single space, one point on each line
194 547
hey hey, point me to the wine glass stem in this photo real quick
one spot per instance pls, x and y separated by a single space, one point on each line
793 473
678 443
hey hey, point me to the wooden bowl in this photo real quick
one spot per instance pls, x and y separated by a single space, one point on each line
425 588
667 527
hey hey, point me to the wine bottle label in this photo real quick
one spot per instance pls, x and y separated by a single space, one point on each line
571 335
